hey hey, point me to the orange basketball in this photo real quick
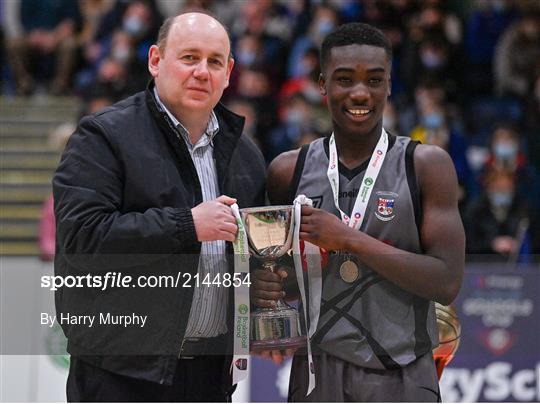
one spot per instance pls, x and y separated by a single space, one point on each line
449 336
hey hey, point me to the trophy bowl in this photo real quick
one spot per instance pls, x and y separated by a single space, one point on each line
270 231
449 336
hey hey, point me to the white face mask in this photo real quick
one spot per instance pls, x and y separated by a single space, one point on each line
500 199
505 150
121 53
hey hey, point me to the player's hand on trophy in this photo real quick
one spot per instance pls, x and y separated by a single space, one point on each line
276 356
267 287
214 220
323 229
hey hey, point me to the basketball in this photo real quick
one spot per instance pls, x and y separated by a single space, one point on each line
449 336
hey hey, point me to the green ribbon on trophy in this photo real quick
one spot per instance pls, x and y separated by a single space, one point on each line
241 358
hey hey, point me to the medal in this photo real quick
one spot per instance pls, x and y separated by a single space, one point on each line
349 271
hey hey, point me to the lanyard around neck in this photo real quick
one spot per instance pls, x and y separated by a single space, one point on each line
368 182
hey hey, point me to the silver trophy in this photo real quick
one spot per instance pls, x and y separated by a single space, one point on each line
270 233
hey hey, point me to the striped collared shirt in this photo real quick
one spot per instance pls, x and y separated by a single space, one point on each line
209 307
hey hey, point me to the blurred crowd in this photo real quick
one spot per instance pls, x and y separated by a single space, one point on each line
466 77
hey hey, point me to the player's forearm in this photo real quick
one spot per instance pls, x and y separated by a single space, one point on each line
423 275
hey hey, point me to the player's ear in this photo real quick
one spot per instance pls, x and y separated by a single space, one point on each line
322 84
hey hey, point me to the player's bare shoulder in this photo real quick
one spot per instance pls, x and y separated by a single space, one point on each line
435 172
280 176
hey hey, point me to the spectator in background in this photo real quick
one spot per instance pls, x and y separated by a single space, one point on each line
325 19
254 85
506 154
296 119
258 19
47 46
92 14
431 49
497 223
434 128
517 57
119 48
485 24
307 81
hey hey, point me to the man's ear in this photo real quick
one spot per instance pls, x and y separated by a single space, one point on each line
389 92
154 56
322 84
230 65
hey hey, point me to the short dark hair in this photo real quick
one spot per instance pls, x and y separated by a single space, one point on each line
165 28
354 33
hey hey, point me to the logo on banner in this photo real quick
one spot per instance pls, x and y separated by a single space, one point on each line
385 206
368 181
497 340
241 364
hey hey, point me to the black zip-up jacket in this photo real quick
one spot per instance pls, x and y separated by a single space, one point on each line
123 195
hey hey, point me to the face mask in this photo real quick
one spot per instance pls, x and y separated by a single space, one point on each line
324 27
500 199
431 60
246 58
121 54
505 150
312 94
433 120
134 26
294 117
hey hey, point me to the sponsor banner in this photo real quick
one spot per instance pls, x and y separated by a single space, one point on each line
498 359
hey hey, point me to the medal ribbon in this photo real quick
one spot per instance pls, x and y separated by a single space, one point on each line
314 274
241 358
368 182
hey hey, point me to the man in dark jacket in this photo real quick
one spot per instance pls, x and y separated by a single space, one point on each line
142 203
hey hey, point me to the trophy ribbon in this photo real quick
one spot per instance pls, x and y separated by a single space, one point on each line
241 358
314 274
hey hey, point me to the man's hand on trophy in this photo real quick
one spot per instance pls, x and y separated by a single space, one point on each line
323 229
267 287
214 220
276 356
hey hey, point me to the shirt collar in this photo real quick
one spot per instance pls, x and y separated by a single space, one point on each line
211 130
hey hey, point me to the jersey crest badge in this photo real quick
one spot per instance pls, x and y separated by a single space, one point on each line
385 206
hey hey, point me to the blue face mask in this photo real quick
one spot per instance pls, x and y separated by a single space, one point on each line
433 120
324 27
431 60
295 117
246 58
505 151
134 26
500 199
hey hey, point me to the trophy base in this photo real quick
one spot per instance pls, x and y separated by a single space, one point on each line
277 328
278 344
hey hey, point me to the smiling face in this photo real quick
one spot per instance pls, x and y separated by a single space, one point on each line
356 80
193 68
